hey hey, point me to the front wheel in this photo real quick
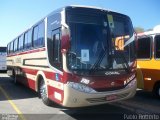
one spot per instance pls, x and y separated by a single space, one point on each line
43 93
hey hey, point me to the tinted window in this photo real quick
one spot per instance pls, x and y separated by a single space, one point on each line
38 35
35 36
20 45
157 46
11 47
2 49
144 48
8 48
29 45
56 47
15 45
26 40
41 34
85 19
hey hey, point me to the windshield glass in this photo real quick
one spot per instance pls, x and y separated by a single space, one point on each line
123 44
99 43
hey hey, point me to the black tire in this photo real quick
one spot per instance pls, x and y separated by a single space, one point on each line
14 77
156 90
43 93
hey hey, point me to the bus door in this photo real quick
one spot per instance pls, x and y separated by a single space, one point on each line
56 45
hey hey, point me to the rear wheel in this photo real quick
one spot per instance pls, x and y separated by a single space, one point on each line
157 90
43 93
14 77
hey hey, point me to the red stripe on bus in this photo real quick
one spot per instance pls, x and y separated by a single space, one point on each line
53 76
48 75
27 52
51 94
30 71
31 84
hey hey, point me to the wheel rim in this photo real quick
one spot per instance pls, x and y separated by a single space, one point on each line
43 91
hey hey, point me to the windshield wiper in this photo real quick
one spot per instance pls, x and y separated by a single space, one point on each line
103 54
121 54
99 60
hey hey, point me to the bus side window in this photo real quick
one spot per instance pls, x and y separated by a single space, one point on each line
20 44
8 48
15 44
26 40
57 58
38 35
11 47
157 46
144 48
35 36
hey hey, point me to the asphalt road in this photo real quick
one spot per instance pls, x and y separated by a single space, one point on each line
20 103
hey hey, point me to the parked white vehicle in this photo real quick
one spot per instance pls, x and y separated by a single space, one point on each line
3 54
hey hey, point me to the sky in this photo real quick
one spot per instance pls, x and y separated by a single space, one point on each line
18 15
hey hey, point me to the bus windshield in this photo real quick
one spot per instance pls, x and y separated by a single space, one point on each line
100 43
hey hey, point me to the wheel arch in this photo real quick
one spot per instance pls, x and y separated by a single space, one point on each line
40 75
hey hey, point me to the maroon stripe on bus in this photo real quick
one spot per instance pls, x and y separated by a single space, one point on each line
30 71
27 52
31 84
52 76
51 92
48 75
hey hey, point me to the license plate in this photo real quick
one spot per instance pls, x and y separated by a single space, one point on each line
111 97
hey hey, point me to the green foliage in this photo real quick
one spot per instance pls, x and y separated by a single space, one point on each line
139 29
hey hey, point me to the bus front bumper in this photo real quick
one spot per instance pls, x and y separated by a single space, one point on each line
75 98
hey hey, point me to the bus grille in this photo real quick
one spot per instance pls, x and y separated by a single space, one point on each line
103 99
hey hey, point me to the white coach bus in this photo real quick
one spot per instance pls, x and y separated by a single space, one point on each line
76 56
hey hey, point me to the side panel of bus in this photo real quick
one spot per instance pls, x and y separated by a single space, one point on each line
148 71
3 65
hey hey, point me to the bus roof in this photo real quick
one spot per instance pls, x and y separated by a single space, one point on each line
80 6
59 10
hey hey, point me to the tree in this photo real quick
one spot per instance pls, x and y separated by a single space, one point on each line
149 29
138 29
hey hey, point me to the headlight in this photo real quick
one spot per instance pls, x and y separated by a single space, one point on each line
81 87
131 83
